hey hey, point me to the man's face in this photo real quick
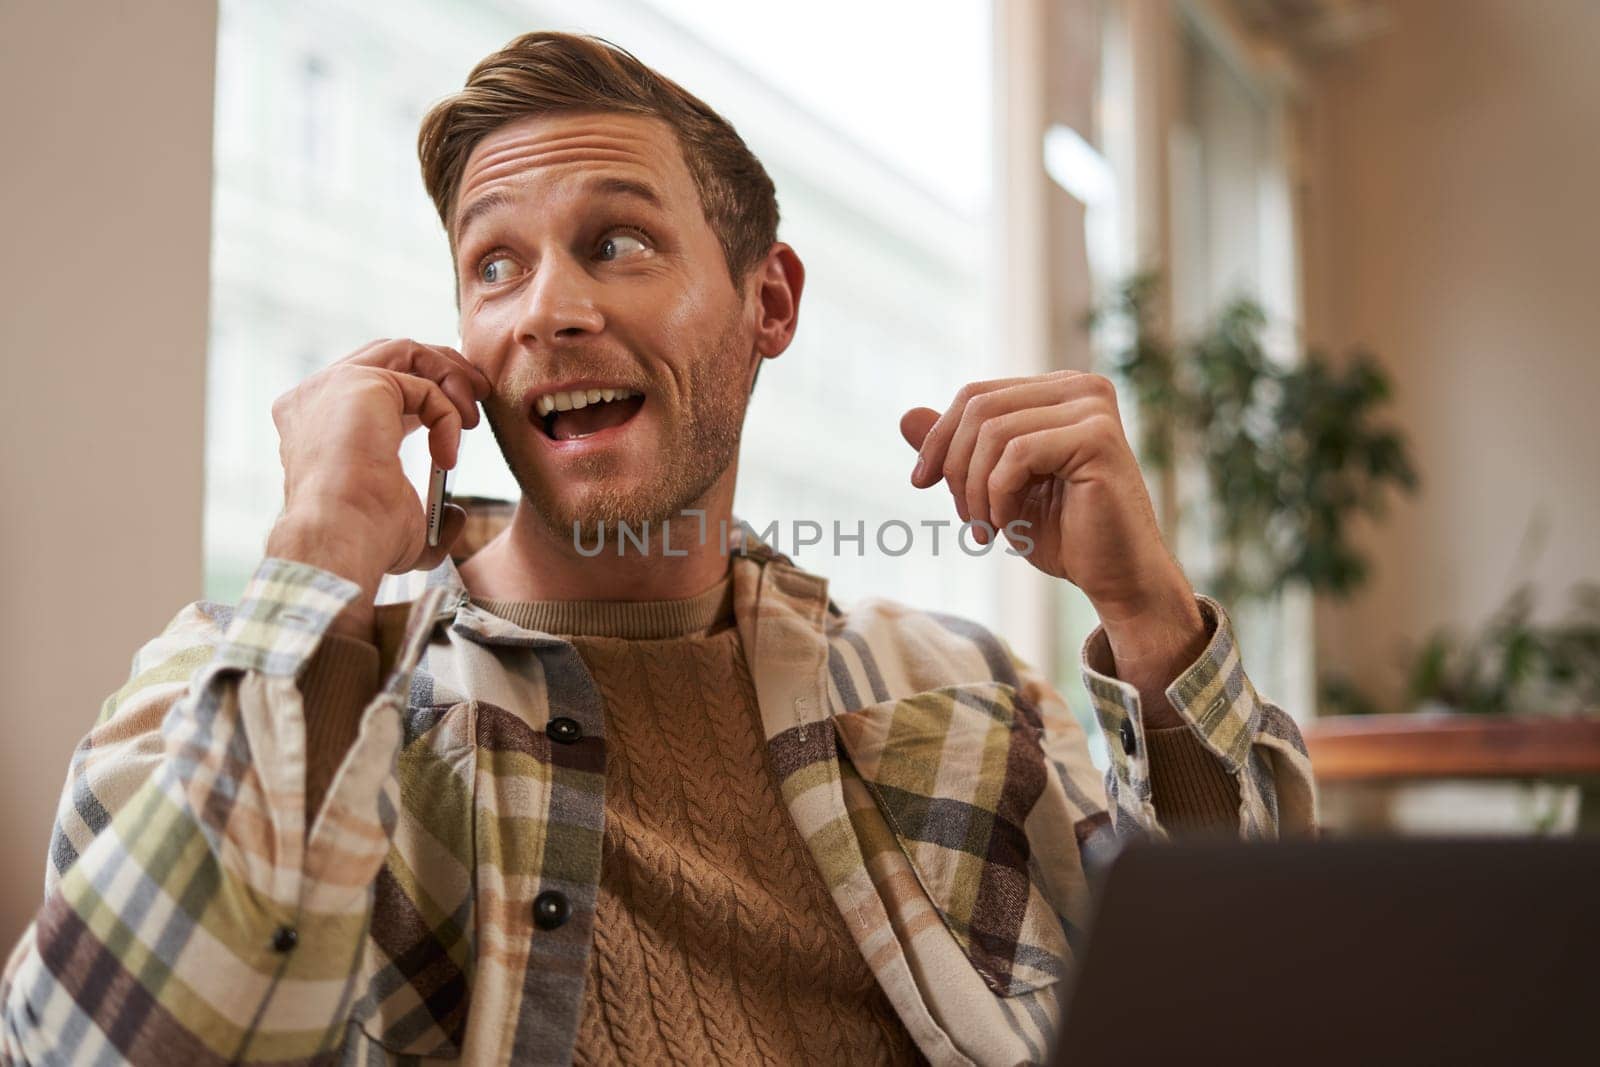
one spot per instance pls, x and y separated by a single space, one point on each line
571 278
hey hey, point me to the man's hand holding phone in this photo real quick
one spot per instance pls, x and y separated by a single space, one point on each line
348 506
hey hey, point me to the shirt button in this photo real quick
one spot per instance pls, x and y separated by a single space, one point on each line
284 939
564 730
1129 742
550 909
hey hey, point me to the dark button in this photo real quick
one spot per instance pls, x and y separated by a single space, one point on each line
564 730
550 909
1129 742
284 939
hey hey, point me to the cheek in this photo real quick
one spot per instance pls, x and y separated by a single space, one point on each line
695 326
480 321
484 338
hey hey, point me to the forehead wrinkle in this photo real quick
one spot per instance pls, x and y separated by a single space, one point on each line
549 161
495 193
539 148
586 141
502 195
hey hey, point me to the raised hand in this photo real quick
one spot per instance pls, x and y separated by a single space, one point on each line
1050 451
348 505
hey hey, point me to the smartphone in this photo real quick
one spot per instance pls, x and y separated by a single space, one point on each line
436 492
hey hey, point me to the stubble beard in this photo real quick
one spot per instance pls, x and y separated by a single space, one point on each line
699 445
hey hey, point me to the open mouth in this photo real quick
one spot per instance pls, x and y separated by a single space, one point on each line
573 414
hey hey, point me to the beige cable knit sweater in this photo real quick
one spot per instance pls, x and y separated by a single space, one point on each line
716 940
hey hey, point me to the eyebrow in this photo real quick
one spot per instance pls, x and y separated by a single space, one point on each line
499 198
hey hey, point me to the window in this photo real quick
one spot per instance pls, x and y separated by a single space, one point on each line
1216 152
877 136
1233 234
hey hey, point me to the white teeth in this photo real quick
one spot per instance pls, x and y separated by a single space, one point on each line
577 398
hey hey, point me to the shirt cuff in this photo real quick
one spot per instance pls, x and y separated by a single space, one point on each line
1212 696
282 616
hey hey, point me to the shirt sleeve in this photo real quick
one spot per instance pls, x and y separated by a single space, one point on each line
1254 743
189 915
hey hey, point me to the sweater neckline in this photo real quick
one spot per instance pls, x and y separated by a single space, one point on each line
629 619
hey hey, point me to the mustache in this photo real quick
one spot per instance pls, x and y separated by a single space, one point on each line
517 381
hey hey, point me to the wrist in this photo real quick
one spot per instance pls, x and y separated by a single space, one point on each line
1154 642
338 554
1162 608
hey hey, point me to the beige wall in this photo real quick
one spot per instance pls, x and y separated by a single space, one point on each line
1454 226
105 114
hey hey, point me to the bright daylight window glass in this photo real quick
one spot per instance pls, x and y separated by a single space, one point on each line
872 119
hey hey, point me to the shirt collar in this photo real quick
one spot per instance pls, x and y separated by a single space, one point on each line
468 619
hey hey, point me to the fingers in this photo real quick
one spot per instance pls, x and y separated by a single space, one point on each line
973 445
980 412
948 446
450 527
930 461
464 384
426 401
915 424
977 401
996 433
1040 454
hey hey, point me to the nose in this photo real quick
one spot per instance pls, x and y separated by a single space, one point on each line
558 307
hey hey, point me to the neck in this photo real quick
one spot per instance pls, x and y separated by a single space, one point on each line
529 561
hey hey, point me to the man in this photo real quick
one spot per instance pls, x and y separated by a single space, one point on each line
660 802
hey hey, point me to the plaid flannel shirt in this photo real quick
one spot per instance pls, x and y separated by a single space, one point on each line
940 783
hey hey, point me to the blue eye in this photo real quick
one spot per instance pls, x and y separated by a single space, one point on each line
617 245
492 271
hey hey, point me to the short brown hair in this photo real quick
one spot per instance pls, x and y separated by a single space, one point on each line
545 73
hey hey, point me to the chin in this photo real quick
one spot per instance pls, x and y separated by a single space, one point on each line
611 505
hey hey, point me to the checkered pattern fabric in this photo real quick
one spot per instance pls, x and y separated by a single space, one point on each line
194 913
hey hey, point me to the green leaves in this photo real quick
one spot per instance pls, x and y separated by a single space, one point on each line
1291 453
1513 663
1144 361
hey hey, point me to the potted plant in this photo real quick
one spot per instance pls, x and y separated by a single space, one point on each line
1290 455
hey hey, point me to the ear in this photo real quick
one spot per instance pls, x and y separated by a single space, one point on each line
778 280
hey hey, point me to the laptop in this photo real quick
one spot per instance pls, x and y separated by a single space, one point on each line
1349 952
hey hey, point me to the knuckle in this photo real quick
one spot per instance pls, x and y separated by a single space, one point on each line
971 392
991 430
